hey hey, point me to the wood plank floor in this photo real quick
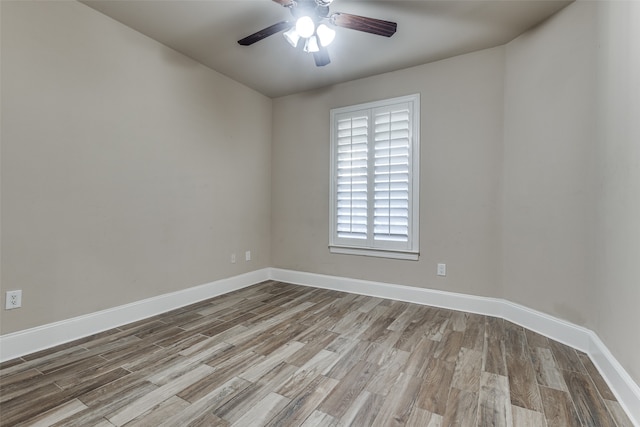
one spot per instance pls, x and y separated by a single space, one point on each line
277 354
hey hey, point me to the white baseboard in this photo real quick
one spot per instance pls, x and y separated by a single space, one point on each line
39 338
626 390
622 385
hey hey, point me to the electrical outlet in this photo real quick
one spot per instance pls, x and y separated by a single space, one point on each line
233 258
247 256
14 300
442 270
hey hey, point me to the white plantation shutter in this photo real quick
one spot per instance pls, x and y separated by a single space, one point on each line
352 167
375 178
392 173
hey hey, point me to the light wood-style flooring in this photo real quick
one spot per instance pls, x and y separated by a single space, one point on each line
276 354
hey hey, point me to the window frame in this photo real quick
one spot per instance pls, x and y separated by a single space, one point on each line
369 246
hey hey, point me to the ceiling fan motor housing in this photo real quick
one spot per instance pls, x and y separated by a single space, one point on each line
315 9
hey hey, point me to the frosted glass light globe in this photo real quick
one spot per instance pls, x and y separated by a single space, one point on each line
305 27
292 36
325 34
311 45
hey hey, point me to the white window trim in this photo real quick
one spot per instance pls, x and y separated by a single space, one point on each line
339 247
380 253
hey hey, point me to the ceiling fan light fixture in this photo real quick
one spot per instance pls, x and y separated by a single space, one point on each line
305 27
292 36
314 23
311 45
325 34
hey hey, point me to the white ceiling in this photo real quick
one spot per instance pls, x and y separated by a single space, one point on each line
208 30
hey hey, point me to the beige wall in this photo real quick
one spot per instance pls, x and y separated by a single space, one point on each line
461 146
128 170
617 292
549 172
571 228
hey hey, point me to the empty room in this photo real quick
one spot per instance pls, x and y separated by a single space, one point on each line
320 213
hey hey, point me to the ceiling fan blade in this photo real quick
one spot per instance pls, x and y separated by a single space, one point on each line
264 33
362 23
321 57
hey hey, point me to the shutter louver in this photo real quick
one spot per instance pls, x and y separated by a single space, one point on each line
352 167
392 173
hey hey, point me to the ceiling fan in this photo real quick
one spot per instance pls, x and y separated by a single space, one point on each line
310 23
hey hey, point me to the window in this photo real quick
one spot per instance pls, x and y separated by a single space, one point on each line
374 178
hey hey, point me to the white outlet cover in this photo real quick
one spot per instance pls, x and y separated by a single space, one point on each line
13 300
442 270
247 256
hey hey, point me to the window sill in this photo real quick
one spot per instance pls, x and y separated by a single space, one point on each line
379 253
